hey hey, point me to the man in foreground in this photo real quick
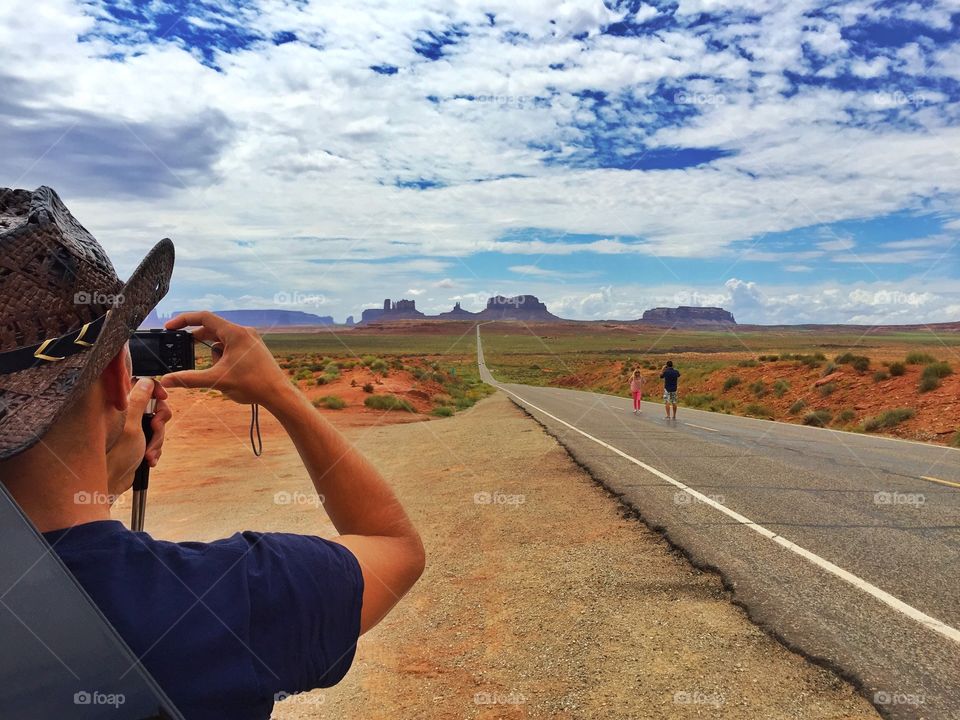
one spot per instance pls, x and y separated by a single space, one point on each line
670 375
224 627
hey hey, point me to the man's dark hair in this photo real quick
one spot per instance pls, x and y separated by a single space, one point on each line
669 363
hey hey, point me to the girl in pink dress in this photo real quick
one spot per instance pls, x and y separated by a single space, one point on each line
636 389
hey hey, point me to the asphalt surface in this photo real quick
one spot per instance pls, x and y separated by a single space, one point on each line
844 546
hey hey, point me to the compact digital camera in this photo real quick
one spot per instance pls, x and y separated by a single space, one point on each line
158 352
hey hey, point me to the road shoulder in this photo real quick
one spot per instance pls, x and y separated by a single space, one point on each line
541 599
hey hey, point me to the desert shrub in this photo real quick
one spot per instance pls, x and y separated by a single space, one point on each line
819 356
442 411
928 384
331 402
860 363
368 387
798 407
332 367
368 359
388 402
697 400
758 388
303 374
315 367
955 440
780 388
731 382
881 375
379 366
757 410
919 358
818 418
828 370
331 377
768 358
811 361
722 405
937 370
888 419
396 363
897 369
747 363
827 389
846 415
321 380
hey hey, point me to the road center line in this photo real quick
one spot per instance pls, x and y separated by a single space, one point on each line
701 427
883 596
942 482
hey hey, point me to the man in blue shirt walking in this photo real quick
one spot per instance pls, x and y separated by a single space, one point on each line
670 375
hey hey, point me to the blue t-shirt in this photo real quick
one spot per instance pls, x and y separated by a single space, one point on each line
670 376
225 626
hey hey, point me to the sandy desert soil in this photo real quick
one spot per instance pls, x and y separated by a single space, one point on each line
539 599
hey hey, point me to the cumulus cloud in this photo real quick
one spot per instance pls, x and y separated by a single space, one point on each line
354 149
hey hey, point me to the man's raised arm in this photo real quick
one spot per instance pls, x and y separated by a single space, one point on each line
372 523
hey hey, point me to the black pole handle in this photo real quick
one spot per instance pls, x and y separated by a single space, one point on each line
141 478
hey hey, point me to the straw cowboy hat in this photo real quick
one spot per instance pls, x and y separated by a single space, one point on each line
64 313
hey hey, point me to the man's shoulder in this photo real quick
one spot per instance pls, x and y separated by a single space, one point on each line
242 551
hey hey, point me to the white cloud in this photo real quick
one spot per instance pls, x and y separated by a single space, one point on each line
300 192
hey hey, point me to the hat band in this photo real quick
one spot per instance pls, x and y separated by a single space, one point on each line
52 349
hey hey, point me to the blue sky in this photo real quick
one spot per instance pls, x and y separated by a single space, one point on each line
791 161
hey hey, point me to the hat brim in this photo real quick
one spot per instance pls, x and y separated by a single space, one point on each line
36 398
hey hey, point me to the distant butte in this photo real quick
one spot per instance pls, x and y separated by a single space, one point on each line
688 316
520 307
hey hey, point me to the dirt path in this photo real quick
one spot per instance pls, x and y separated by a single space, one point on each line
539 599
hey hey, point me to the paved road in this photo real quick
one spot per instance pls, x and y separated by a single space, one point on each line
844 546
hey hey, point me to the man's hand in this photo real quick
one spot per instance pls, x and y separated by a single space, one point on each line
125 455
245 372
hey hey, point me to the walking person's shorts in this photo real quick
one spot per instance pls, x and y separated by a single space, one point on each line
670 397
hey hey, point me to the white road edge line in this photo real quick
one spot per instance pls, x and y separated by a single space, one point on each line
931 623
701 427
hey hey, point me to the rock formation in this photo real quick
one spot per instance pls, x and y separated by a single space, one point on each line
520 307
458 313
251 318
688 316
392 310
527 308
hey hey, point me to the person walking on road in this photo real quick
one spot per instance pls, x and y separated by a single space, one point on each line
636 390
670 375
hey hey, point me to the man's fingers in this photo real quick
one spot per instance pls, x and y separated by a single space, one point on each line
197 319
140 395
205 335
191 379
155 447
161 413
